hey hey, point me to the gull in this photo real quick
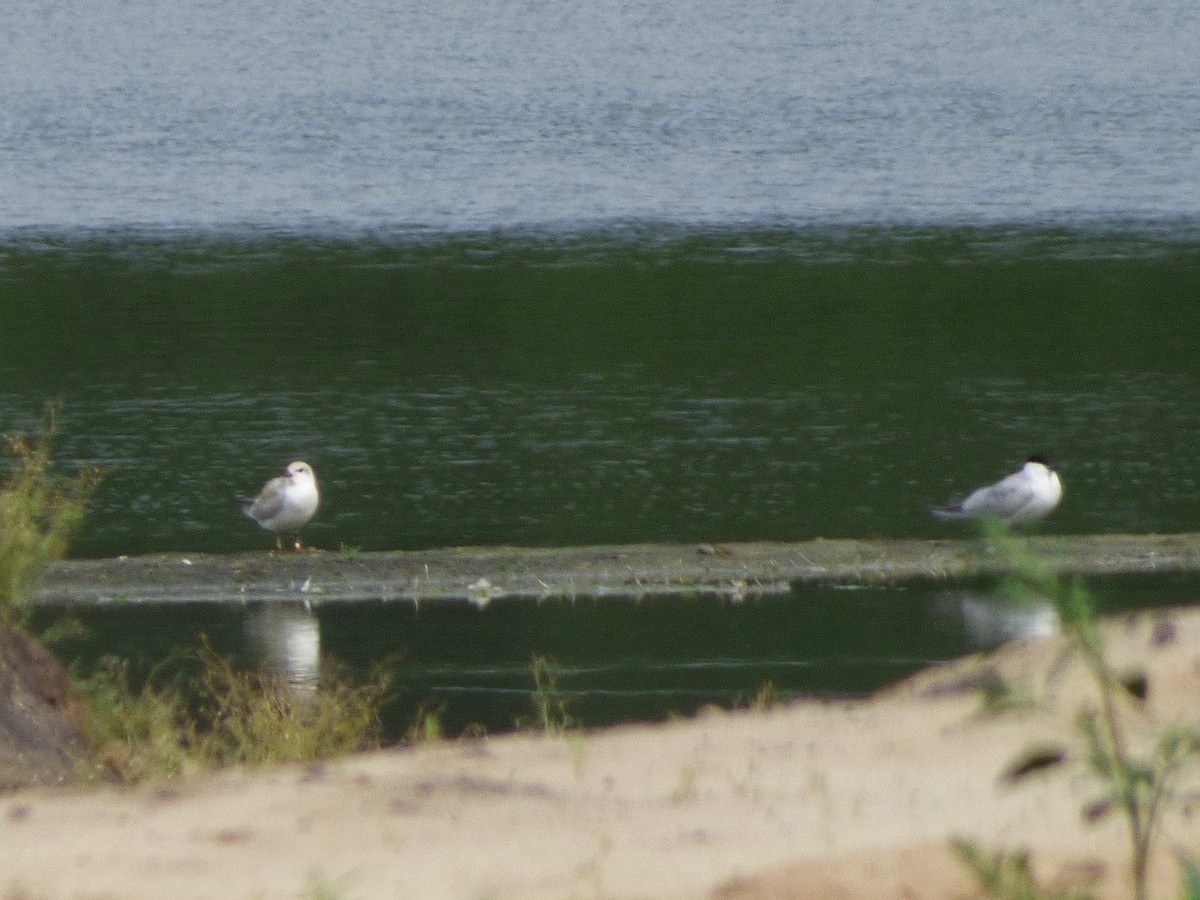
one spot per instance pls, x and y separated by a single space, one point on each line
286 503
1029 494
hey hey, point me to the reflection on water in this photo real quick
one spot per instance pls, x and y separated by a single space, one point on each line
615 660
989 618
285 640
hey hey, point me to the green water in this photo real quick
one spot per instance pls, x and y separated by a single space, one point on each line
610 388
506 390
612 661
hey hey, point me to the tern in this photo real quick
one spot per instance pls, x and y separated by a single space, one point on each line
1025 496
286 503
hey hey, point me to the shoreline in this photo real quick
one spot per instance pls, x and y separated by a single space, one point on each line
807 800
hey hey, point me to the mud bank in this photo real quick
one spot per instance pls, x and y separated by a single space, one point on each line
483 574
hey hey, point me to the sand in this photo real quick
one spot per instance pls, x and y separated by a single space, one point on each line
807 800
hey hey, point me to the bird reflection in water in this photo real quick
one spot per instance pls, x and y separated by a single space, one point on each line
991 619
286 640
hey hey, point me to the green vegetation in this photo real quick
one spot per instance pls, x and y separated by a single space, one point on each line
552 708
766 697
1008 876
208 714
1191 880
221 716
1138 787
39 513
426 725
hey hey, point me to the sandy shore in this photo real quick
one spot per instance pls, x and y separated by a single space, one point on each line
809 800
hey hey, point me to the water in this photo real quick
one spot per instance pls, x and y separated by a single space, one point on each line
464 116
548 274
611 661
736 387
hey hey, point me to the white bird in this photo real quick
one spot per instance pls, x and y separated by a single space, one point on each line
286 503
1025 496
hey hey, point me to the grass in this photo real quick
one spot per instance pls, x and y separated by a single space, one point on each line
1008 875
552 708
40 511
208 714
766 697
426 726
218 715
1137 787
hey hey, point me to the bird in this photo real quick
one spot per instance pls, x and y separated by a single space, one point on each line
1027 495
286 503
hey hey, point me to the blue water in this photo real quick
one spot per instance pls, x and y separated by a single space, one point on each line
415 117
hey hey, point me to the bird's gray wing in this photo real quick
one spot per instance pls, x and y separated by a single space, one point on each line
1003 499
269 501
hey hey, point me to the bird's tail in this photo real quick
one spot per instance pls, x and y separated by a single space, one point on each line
948 513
